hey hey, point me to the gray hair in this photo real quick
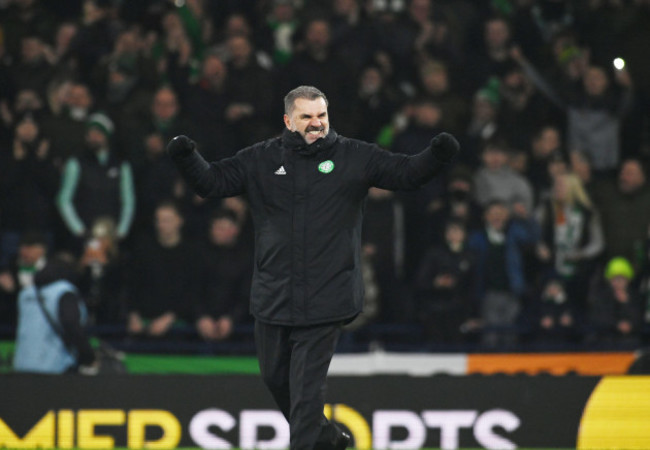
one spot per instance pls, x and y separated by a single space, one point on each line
306 92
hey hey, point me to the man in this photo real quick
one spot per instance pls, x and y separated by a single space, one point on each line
498 250
495 179
51 315
227 276
164 283
624 206
97 184
306 190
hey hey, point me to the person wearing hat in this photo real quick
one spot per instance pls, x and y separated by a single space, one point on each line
97 184
615 305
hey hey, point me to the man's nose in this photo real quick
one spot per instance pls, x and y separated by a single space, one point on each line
315 122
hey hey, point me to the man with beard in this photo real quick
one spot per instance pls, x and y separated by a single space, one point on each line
96 185
307 190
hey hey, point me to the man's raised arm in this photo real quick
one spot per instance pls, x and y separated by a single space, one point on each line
395 171
224 178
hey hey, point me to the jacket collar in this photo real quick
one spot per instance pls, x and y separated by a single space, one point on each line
292 140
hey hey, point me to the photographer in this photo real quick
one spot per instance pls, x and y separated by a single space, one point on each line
28 179
51 315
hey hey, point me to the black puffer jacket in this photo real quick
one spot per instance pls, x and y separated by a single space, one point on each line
307 204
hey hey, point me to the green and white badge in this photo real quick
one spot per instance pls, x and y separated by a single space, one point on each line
326 166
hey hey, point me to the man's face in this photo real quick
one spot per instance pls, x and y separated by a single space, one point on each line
497 33
214 70
455 235
224 232
29 254
165 105
309 118
168 222
595 81
547 142
497 216
96 139
631 177
79 97
240 49
494 158
318 36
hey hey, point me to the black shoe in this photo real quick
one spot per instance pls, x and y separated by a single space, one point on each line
342 441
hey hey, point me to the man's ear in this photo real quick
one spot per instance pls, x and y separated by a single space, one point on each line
287 121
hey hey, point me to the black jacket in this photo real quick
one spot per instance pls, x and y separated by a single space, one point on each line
307 204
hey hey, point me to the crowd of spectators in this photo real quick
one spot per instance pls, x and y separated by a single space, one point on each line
540 231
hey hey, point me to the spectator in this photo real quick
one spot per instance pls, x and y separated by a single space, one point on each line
59 53
27 102
492 58
51 315
419 33
164 119
545 146
457 204
446 285
425 122
124 79
206 102
281 25
572 236
251 93
482 127
103 282
23 18
580 165
97 184
163 277
155 180
624 206
33 71
434 79
557 320
238 24
28 182
66 128
172 51
375 104
495 180
501 281
95 37
522 107
227 278
318 65
594 113
383 251
353 33
615 304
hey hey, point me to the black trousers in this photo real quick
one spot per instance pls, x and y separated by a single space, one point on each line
294 363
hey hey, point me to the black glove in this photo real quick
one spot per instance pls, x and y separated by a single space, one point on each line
180 146
444 147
